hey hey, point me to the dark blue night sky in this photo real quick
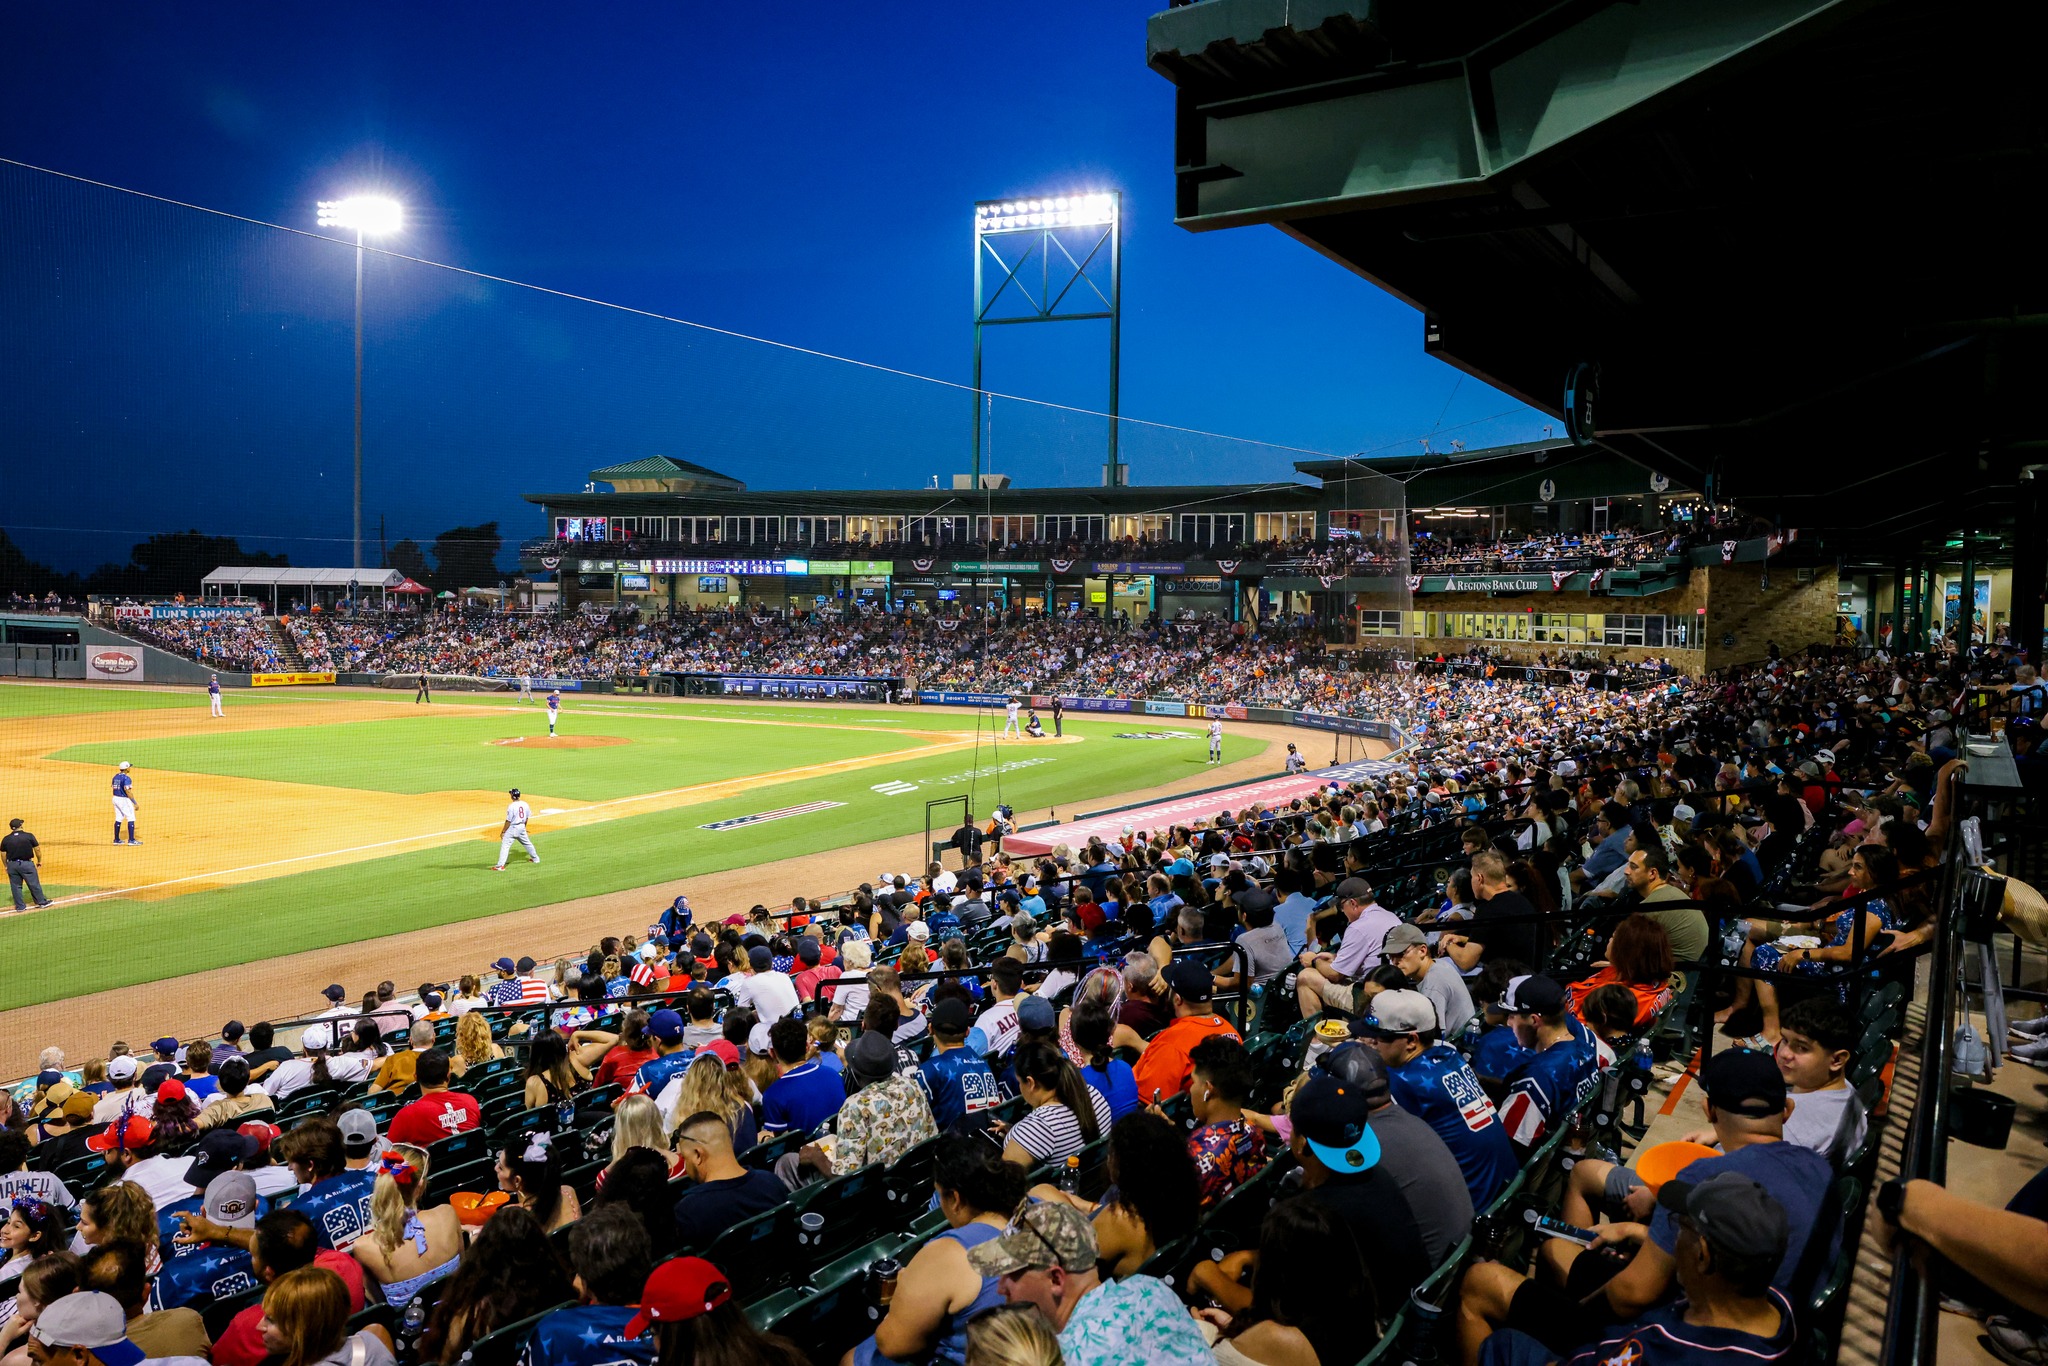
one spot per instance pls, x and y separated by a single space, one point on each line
805 174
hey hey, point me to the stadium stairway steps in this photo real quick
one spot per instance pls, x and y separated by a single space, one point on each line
287 648
1862 1336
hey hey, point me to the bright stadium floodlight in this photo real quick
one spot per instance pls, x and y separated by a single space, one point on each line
366 215
1039 269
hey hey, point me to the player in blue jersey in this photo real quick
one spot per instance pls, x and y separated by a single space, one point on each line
554 710
207 1272
124 803
1431 1080
213 694
1561 1071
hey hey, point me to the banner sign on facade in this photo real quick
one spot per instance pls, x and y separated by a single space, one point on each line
1097 703
167 611
1344 725
1166 709
715 566
871 568
963 699
1194 585
114 664
1141 567
287 680
1495 583
997 567
798 686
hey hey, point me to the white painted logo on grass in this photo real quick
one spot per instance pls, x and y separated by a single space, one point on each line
896 787
737 821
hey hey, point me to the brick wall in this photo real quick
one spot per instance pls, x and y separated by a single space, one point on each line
1744 617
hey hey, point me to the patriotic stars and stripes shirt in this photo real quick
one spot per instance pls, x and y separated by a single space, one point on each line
1545 1086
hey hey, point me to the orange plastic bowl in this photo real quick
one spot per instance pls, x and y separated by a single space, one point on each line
473 1209
1659 1164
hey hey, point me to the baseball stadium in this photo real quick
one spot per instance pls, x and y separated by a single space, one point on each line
1458 782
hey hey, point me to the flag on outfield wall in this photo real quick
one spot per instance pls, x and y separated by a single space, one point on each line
1557 578
1228 566
1415 583
1061 566
1773 543
1326 579
1593 584
923 566
1579 676
1728 552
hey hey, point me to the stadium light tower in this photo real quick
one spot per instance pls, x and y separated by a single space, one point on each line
1042 250
366 216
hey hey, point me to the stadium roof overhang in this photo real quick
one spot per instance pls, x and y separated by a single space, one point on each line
1528 472
1797 239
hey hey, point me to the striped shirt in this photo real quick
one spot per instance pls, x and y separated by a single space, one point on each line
1051 1133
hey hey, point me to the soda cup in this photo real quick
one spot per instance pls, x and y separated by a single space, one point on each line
885 1272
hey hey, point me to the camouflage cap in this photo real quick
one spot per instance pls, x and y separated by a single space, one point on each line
1043 1235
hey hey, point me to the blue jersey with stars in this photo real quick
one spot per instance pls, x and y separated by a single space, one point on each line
1439 1087
656 1073
1546 1086
339 1208
961 1087
588 1335
1498 1053
199 1271
122 784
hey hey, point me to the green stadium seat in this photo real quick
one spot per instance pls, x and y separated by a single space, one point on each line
502 1347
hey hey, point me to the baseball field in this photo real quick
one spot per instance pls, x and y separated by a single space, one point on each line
309 818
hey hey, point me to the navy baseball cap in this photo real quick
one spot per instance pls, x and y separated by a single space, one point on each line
760 957
665 1025
503 965
1330 1115
334 992
1036 1013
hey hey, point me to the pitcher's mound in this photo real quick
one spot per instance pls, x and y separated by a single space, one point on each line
559 741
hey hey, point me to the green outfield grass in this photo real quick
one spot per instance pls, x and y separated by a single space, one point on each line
17 699
437 753
317 909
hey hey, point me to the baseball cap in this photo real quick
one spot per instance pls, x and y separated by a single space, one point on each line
1254 899
916 929
231 1198
1398 1012
1359 1066
121 1068
1354 889
1089 916
524 964
171 1089
642 975
702 945
809 951
951 1016
333 991
431 1000
317 1036
871 1057
1733 1212
358 1131
166 1044
1742 1082
1190 980
502 964
1330 1115
1682 812
261 1133
758 1040
1400 939
137 1132
216 1154
1047 1234
760 957
90 1320
1532 995
1036 1013
723 1050
665 1025
680 1288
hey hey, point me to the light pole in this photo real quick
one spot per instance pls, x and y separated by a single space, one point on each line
371 216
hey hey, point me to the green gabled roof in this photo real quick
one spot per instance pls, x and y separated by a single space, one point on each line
663 467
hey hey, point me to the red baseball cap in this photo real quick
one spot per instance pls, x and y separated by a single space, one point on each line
264 1134
137 1132
680 1288
723 1050
643 975
171 1089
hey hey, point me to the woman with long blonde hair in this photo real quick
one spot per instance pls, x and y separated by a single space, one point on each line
636 1123
708 1085
408 1248
474 1045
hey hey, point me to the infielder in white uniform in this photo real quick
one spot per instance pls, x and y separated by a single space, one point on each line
1010 726
517 814
526 687
1216 740
213 694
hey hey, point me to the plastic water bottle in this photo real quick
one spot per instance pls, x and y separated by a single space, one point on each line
1732 940
413 1321
1070 1178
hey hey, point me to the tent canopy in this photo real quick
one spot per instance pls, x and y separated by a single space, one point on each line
268 576
409 586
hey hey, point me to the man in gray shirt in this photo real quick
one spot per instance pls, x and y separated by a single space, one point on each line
1407 948
1410 1152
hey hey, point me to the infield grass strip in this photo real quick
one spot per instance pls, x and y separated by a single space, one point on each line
254 921
455 751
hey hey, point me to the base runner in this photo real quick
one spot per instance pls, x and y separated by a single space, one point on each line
517 814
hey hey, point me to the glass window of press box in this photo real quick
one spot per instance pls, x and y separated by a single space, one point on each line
1650 630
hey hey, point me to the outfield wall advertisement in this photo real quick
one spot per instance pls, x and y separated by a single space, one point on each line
287 680
114 663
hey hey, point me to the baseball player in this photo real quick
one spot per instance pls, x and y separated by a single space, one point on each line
526 687
554 711
422 693
1295 762
517 814
124 803
1010 726
213 694
1215 739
